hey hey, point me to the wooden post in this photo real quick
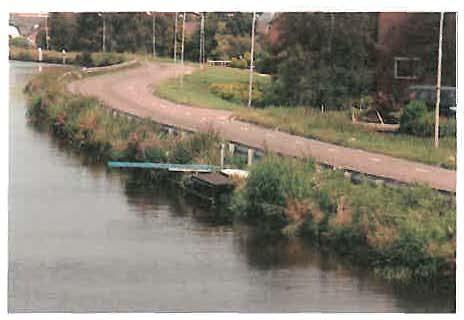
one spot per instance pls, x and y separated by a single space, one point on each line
250 156
437 104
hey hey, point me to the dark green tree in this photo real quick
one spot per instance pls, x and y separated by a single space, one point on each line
63 31
323 58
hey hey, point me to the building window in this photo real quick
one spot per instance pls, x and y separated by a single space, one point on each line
406 68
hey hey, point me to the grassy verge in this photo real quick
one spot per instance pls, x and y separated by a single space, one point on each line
405 233
196 92
85 124
334 127
96 59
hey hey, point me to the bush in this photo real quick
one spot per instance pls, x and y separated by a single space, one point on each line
237 92
106 59
20 43
84 59
238 63
404 233
418 121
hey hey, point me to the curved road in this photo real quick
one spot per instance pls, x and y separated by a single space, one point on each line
131 90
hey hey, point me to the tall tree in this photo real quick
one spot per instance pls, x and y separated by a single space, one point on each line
323 58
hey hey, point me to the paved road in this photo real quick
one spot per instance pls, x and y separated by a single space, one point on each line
131 91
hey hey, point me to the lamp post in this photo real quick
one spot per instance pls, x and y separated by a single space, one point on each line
437 104
183 38
46 32
154 31
202 40
175 39
250 85
103 32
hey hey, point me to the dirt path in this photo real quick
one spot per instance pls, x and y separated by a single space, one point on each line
131 91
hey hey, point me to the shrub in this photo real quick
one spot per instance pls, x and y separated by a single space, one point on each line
238 63
418 121
20 43
84 59
238 92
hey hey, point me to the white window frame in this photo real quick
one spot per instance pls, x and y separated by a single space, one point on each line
396 60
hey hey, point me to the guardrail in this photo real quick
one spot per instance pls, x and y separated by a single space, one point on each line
111 67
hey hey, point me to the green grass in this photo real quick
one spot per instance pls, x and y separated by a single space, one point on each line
195 90
85 124
334 127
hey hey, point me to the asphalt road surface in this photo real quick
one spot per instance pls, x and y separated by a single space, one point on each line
131 90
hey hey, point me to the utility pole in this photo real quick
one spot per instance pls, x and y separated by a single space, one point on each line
437 105
175 39
250 86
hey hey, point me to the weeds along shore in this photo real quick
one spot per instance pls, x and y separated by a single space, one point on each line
405 234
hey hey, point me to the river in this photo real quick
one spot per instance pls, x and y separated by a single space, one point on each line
81 239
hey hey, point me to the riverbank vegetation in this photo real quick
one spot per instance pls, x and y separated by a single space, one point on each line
86 59
217 87
405 233
85 124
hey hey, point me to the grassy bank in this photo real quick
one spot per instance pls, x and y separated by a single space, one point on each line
95 59
405 233
85 124
334 127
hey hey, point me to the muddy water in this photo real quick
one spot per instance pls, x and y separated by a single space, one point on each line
82 239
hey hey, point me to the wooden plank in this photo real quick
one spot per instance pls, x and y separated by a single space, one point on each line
164 166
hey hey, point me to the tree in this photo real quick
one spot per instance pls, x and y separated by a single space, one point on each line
63 31
323 58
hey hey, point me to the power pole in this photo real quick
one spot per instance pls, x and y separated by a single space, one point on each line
250 85
175 39
437 105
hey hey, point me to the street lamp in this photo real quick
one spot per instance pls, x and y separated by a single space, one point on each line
175 38
154 34
183 38
250 85
103 31
437 104
46 31
202 38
